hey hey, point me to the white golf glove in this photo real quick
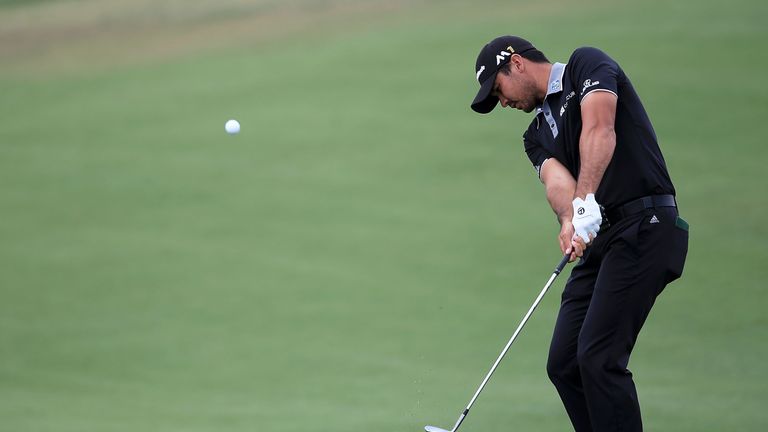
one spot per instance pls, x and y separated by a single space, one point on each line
586 218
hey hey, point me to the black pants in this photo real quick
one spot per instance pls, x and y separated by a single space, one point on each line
604 305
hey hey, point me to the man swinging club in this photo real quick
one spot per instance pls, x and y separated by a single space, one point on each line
594 148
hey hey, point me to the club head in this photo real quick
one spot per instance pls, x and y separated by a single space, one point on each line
434 429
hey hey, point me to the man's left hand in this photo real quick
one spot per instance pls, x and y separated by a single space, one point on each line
586 218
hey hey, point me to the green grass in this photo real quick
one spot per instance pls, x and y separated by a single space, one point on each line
358 255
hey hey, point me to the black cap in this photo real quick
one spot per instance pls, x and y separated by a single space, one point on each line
492 57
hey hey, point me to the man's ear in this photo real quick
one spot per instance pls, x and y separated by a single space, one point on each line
516 62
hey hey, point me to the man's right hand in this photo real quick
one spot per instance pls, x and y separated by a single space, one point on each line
568 243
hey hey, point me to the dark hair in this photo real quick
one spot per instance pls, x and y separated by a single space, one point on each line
533 55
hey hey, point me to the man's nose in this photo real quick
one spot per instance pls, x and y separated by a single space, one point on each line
504 101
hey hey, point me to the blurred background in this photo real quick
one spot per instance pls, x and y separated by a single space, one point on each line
358 255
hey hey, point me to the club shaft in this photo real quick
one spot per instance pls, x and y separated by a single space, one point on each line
552 278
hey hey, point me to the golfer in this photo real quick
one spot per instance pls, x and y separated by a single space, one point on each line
595 150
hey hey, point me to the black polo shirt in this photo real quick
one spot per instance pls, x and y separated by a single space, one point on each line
637 168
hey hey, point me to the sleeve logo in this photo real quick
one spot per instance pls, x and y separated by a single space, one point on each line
587 84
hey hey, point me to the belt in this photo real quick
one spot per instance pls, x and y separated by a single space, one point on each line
636 206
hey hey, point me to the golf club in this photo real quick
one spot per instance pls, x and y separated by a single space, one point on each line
464 413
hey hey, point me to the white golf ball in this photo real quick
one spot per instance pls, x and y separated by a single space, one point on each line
232 126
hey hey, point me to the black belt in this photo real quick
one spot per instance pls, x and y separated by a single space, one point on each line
636 206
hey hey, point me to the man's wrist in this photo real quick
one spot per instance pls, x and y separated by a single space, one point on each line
582 193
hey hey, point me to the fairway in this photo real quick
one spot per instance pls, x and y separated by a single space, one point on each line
353 260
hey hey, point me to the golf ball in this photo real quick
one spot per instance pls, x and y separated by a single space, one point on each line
232 126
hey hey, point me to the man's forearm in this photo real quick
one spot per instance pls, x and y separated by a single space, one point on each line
560 196
596 149
560 187
597 140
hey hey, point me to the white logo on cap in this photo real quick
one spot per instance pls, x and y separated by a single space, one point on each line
482 68
501 56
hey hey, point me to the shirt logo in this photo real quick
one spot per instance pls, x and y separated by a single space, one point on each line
482 68
565 105
587 84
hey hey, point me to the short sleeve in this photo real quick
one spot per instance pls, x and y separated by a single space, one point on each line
536 153
592 70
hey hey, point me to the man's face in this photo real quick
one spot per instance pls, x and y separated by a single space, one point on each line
516 90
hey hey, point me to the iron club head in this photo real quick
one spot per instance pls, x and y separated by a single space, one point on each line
434 429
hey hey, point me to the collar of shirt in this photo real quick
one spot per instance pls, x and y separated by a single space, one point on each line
555 82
